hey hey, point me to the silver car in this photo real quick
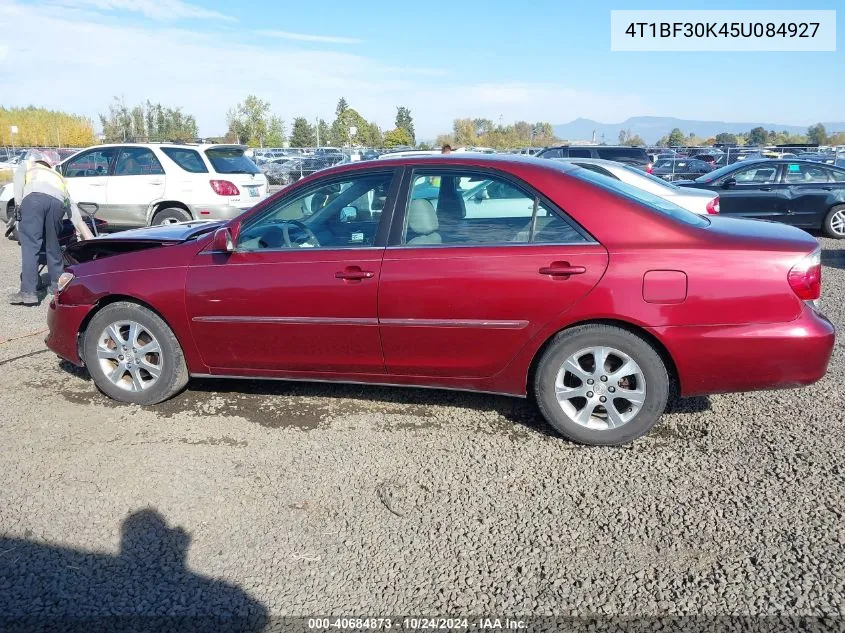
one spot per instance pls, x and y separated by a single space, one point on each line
696 200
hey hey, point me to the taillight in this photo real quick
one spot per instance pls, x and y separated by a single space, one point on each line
713 206
805 277
224 188
649 168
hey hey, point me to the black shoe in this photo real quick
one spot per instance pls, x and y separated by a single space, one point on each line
23 298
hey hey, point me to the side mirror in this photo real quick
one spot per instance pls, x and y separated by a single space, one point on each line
730 183
88 208
223 241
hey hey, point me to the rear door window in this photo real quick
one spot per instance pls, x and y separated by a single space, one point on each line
800 174
137 161
580 153
188 159
231 160
622 153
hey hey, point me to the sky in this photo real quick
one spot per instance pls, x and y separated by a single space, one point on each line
541 60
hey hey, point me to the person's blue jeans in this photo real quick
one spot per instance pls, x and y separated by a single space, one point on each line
41 222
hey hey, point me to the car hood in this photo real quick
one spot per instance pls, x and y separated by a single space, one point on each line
138 239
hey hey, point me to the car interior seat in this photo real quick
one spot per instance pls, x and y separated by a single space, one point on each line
422 223
450 204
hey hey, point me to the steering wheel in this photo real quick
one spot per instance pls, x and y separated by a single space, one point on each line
300 225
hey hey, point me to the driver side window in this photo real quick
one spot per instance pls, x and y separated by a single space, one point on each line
340 214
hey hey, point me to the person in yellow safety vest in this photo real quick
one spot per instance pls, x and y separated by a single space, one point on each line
42 200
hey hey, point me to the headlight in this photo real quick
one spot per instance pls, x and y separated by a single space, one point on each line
64 280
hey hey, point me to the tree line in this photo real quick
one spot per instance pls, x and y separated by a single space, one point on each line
146 122
485 133
816 134
43 127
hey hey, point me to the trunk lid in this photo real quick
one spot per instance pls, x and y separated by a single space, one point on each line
760 235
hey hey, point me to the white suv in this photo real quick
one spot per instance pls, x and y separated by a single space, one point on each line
139 184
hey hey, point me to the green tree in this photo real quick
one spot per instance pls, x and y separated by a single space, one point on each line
324 133
275 132
342 107
341 134
397 137
726 137
758 136
817 134
404 121
676 137
117 123
302 134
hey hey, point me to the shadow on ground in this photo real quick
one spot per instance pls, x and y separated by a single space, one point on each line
146 587
307 405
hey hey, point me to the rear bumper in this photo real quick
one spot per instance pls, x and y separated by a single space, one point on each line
64 322
729 358
224 211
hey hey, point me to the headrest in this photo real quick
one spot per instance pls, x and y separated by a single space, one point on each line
422 219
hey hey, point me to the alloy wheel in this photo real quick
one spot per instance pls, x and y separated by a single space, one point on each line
600 388
129 355
837 223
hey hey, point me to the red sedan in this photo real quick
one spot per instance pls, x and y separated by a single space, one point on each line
485 273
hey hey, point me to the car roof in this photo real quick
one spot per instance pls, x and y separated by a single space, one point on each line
592 161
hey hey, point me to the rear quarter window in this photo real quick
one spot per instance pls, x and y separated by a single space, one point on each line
653 202
188 159
231 160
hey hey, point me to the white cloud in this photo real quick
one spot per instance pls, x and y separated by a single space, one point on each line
4 51
306 37
160 10
206 73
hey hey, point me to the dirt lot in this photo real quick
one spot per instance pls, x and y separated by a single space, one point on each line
305 499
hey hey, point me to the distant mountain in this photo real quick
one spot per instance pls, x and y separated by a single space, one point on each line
651 128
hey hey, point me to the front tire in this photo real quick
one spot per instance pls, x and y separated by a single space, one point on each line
601 385
171 215
133 356
834 222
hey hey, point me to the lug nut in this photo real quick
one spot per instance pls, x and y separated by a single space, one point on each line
590 381
590 394
604 378
602 399
611 389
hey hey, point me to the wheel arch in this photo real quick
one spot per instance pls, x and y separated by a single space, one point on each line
655 342
168 204
107 301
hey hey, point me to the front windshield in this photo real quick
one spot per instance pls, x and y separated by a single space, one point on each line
649 200
231 160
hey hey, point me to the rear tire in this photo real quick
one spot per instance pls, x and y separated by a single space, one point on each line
133 356
171 215
588 363
834 222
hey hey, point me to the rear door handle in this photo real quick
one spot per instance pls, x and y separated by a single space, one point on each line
765 188
354 273
561 269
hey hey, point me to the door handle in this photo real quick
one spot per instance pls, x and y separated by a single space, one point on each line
156 182
97 184
354 273
765 188
562 270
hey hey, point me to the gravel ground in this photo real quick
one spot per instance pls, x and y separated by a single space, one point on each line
273 498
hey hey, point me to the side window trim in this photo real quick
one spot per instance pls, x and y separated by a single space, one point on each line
297 191
404 198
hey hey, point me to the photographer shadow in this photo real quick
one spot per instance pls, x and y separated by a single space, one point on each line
146 587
